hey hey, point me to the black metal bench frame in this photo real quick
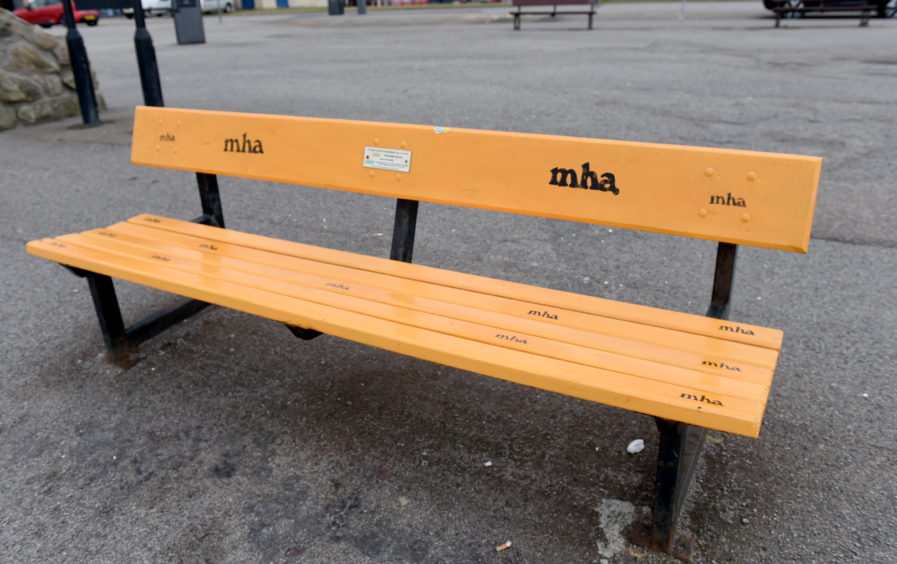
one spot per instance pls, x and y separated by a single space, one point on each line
866 11
554 11
680 443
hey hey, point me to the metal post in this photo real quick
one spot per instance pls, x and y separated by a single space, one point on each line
109 314
723 276
121 340
87 97
146 59
403 230
362 7
153 324
680 445
210 199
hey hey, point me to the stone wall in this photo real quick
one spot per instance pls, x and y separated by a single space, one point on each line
36 81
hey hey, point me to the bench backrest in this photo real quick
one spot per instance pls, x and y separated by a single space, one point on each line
731 196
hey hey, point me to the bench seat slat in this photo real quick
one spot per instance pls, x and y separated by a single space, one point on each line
752 364
648 396
283 282
664 399
587 347
547 298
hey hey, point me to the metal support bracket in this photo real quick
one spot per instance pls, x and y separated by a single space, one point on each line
404 230
121 340
680 443
303 333
210 198
115 335
680 447
723 276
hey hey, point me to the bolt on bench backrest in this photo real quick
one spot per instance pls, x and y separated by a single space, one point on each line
741 197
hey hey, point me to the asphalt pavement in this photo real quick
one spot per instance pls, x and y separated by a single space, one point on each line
231 441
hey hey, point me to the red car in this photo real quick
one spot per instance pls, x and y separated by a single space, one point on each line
49 12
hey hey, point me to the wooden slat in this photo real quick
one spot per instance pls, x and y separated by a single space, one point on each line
714 356
553 302
744 197
604 350
216 285
342 294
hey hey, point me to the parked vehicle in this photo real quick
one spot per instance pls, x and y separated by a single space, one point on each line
226 6
162 7
46 13
151 8
886 8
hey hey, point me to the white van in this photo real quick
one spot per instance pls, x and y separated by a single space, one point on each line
151 8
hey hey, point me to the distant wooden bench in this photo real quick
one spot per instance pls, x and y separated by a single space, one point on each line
521 4
798 9
690 372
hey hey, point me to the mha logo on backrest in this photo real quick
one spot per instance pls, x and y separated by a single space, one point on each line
244 145
587 180
728 200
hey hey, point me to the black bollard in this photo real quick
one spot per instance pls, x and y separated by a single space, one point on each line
146 59
87 97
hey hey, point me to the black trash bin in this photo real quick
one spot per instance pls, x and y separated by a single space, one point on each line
335 7
187 15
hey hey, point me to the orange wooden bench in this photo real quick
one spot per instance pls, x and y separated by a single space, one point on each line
690 372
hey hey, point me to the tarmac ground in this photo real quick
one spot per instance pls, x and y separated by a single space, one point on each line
231 441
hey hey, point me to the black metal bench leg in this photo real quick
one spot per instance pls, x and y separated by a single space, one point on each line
120 340
680 446
105 302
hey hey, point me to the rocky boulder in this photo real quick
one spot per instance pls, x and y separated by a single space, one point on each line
36 81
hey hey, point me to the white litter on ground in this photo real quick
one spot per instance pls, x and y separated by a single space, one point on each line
636 446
